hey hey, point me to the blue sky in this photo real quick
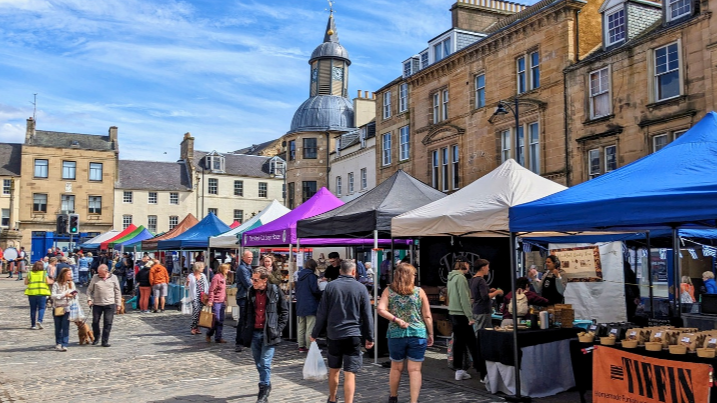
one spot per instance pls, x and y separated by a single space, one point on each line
230 72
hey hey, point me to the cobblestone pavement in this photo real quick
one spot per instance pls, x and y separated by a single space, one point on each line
154 358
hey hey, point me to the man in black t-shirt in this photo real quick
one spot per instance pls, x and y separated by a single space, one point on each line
332 271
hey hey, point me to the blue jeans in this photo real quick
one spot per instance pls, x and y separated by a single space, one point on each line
122 283
75 273
37 308
62 329
84 277
219 310
262 357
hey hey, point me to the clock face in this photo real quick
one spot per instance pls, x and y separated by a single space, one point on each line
338 73
314 75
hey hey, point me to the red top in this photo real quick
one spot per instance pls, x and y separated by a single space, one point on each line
259 309
218 289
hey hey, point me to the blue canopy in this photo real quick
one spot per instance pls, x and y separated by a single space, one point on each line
145 234
631 236
676 186
196 237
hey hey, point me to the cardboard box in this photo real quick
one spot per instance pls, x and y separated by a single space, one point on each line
444 327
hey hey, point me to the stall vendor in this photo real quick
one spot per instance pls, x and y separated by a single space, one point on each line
552 286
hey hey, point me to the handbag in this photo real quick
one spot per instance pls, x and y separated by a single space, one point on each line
204 298
59 311
206 318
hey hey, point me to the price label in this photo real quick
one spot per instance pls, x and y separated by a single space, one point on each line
613 331
713 341
685 339
633 333
658 334
593 327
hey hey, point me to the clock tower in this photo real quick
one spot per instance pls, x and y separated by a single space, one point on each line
329 65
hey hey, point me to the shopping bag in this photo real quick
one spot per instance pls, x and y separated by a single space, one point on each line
76 313
206 318
187 305
314 367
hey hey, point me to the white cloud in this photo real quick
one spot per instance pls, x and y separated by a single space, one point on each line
12 133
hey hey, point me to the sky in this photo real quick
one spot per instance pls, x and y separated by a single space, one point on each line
231 72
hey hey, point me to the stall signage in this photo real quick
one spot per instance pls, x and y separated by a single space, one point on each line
581 263
619 376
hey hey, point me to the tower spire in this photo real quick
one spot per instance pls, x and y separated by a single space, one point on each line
331 34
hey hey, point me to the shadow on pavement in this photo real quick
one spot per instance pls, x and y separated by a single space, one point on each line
201 398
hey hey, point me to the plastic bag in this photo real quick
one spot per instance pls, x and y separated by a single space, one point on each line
314 367
187 306
76 313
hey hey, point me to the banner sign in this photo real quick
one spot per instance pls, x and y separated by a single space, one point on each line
581 263
619 376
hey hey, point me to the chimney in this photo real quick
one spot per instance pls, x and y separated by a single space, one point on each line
30 130
478 15
187 148
113 134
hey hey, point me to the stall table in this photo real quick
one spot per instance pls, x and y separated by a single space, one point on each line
545 366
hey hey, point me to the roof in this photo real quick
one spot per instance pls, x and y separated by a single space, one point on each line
255 149
521 15
153 175
239 164
10 156
323 113
331 48
44 138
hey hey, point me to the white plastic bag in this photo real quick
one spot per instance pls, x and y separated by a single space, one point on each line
76 313
314 367
186 304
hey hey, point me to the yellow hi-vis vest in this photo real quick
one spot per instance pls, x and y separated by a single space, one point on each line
37 283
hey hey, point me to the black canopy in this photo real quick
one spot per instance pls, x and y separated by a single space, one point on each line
372 211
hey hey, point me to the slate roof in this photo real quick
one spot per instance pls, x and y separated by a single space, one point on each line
239 164
10 159
153 175
254 149
44 138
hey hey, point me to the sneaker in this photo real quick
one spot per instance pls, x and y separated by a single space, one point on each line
462 375
34 328
58 347
63 348
303 350
484 379
161 310
393 399
39 325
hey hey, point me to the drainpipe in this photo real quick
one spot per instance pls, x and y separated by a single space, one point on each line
567 131
328 165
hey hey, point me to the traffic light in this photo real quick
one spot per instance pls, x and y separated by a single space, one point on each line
74 224
61 224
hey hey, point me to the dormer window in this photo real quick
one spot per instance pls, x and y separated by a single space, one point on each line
362 137
277 167
442 49
678 9
215 162
615 27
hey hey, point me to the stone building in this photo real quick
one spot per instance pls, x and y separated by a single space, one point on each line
635 93
353 168
437 120
67 173
10 155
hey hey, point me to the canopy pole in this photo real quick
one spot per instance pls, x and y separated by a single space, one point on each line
291 256
649 275
375 298
516 356
676 272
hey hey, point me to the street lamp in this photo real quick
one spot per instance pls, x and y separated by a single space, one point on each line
502 109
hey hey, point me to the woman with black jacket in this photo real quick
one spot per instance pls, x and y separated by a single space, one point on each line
145 287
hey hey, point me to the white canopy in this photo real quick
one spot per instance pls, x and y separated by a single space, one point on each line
229 239
479 209
102 237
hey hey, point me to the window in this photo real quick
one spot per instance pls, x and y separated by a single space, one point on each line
436 108
126 221
213 186
173 221
660 141
95 205
6 186
594 163
338 186
442 49
521 147
480 90
277 167
239 215
534 70
351 182
310 148
292 150
610 158
214 162
504 145
454 162
95 171
152 223
444 171
434 169
534 147
283 191
387 149
238 188
679 133
39 202
387 104
364 179
41 168
424 59
69 169
68 204
292 195
5 217
308 189
152 198
407 68
667 72
445 105
127 197
602 160
404 143
678 8
174 198
599 93
263 189
520 67
213 211
403 98
616 27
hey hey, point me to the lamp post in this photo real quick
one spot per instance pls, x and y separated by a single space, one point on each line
502 109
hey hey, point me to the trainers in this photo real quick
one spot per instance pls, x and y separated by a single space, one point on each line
34 328
484 379
58 347
63 348
39 325
462 375
303 350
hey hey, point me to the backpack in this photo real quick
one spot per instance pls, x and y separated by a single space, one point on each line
521 301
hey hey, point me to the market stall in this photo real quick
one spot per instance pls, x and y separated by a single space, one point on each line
95 242
187 222
139 237
230 239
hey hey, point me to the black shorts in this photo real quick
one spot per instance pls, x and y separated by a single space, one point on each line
347 352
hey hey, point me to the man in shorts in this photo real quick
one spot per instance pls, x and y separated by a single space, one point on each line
159 278
345 313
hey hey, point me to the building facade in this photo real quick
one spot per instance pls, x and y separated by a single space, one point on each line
353 168
67 173
437 120
10 235
635 94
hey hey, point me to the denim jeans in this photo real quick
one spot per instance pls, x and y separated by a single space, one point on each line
62 329
37 308
242 320
219 309
262 357
122 283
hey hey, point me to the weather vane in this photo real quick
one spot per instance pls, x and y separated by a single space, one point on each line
331 6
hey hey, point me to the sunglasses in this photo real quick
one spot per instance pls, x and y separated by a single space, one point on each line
256 280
